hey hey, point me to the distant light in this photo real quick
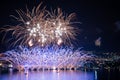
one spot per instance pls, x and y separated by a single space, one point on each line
34 35
39 40
98 42
38 25
10 65
26 65
60 24
59 41
0 64
53 23
54 67
27 23
30 43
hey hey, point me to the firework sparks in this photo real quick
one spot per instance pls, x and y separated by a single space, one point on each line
43 27
49 57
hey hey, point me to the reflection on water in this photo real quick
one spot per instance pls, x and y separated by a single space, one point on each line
95 75
63 75
50 75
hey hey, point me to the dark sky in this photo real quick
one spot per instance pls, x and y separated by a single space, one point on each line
100 19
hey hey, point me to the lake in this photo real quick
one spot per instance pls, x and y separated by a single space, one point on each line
63 75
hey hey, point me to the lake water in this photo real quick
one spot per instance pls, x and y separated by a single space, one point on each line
63 75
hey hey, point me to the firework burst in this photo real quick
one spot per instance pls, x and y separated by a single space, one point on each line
41 27
49 57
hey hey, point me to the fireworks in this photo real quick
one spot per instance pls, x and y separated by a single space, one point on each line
41 27
58 58
49 57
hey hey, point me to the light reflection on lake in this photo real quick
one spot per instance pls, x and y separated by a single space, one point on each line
50 75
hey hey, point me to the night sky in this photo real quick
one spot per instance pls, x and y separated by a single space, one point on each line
100 19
